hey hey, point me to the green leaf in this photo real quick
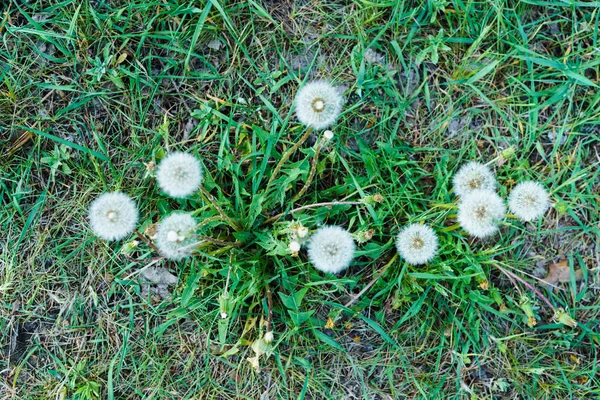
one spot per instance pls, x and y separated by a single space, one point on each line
293 302
327 339
298 318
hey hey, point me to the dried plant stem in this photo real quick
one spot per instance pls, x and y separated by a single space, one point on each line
269 308
527 284
286 156
212 201
329 204
146 240
217 241
313 171
379 275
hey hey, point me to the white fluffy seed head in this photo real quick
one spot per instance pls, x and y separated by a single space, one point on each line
179 174
473 176
176 236
417 244
331 249
318 104
113 216
480 211
528 200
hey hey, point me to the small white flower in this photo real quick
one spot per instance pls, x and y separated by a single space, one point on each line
328 134
417 244
480 211
113 216
331 249
528 200
269 337
473 176
318 104
294 247
175 237
179 174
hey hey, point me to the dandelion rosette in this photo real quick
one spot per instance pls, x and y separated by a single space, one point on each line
473 176
113 215
179 174
528 200
417 244
480 211
331 249
318 104
176 236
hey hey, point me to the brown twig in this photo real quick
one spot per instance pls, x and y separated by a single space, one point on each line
146 240
327 204
379 275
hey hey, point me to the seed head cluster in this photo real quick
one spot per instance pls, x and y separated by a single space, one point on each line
179 174
480 211
417 244
473 176
176 236
528 200
331 249
318 104
113 216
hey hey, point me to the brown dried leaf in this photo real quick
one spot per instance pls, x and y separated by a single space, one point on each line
560 272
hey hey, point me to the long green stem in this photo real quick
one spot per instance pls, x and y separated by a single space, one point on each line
379 275
327 204
212 201
286 156
313 171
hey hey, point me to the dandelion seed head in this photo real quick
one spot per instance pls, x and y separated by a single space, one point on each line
179 174
417 244
331 249
318 104
528 200
480 211
175 236
112 215
473 176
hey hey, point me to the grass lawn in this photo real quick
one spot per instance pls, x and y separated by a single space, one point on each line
94 94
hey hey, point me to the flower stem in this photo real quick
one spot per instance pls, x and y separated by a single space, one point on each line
212 201
286 156
329 204
311 176
379 275
527 284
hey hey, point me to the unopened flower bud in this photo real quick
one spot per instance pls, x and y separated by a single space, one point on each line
294 247
302 231
527 307
269 337
328 135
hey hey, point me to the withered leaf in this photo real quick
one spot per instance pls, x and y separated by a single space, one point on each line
560 272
